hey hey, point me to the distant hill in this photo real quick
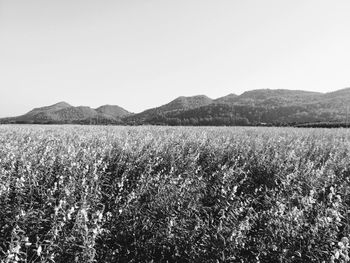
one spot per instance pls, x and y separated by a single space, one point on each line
114 111
255 107
178 105
228 99
267 97
52 108
63 112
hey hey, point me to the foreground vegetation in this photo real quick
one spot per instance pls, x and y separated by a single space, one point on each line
153 194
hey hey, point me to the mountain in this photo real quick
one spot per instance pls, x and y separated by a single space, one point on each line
267 97
186 103
55 107
63 112
255 107
338 93
114 111
228 99
179 104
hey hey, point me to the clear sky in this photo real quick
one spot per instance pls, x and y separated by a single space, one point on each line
143 53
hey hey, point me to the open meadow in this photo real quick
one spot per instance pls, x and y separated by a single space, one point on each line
174 194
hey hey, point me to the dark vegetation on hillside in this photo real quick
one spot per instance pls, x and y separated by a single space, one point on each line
256 107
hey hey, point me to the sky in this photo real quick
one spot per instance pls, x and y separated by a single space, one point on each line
139 54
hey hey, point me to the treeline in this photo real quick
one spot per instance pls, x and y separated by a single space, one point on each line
238 115
324 125
88 121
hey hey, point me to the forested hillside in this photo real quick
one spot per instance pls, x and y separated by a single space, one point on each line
256 107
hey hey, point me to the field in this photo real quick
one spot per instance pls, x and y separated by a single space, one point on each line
165 194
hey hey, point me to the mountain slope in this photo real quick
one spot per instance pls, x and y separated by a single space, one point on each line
62 112
179 104
51 108
228 99
275 107
113 110
268 97
185 103
255 107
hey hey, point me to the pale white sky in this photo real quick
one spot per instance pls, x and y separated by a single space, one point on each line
143 53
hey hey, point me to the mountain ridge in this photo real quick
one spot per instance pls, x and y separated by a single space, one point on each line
254 107
257 107
62 113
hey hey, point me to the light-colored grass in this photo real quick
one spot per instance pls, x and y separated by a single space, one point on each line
176 194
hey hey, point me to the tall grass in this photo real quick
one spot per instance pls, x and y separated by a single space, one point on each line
153 194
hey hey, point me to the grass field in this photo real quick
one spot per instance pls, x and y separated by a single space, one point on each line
162 194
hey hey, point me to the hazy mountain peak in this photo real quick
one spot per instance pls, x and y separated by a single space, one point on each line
62 104
190 102
228 99
57 106
193 97
341 92
113 110
276 92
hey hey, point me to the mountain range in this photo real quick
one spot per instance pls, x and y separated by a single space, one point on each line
255 107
